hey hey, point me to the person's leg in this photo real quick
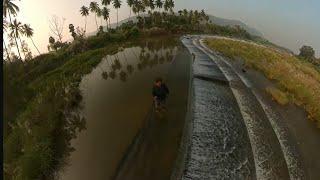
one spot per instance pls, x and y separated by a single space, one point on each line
163 104
156 104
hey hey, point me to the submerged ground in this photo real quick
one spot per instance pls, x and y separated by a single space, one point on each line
116 108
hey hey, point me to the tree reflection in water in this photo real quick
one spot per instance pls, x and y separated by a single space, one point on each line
113 74
147 54
130 69
105 75
123 76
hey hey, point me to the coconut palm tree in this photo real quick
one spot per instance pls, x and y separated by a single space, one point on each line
99 15
9 8
28 31
5 26
159 4
106 2
84 12
151 5
185 12
130 4
171 5
117 5
166 5
16 31
93 8
105 14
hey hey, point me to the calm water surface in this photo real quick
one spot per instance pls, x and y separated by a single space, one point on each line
117 99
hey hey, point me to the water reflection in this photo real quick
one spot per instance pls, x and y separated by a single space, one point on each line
147 56
114 110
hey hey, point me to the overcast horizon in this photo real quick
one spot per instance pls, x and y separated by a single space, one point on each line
288 23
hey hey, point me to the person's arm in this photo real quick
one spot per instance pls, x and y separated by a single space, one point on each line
154 95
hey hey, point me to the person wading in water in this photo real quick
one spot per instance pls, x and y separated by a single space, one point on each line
160 92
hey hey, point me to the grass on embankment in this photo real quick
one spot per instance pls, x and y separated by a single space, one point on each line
298 79
278 95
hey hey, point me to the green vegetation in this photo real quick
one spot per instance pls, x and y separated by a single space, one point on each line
42 116
299 79
307 53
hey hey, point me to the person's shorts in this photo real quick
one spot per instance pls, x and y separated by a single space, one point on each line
160 102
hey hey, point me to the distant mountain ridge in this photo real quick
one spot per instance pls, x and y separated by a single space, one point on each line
231 22
215 20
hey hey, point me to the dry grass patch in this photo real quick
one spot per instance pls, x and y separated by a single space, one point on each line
278 95
300 79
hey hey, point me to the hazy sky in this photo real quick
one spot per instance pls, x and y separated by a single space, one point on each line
289 23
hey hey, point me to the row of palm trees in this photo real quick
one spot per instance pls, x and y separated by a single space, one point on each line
15 29
136 6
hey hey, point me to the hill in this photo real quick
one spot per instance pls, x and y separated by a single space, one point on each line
215 20
230 22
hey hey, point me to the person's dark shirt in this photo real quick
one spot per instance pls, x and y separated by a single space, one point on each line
160 92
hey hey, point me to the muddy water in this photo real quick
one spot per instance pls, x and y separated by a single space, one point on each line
117 99
154 156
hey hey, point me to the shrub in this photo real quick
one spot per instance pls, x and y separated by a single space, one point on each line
156 31
278 95
133 32
77 46
37 160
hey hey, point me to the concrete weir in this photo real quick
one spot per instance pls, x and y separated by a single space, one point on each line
231 135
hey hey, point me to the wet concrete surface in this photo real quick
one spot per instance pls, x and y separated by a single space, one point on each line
274 152
219 144
220 147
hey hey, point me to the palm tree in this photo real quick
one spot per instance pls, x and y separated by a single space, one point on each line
130 4
93 8
185 12
16 30
84 12
9 8
5 26
166 5
151 5
105 14
99 14
106 2
171 5
117 5
159 4
28 31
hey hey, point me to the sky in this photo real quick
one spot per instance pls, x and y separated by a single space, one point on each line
288 23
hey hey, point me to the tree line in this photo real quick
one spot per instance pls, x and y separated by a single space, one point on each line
15 31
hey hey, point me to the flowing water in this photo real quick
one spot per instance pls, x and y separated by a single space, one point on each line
116 100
